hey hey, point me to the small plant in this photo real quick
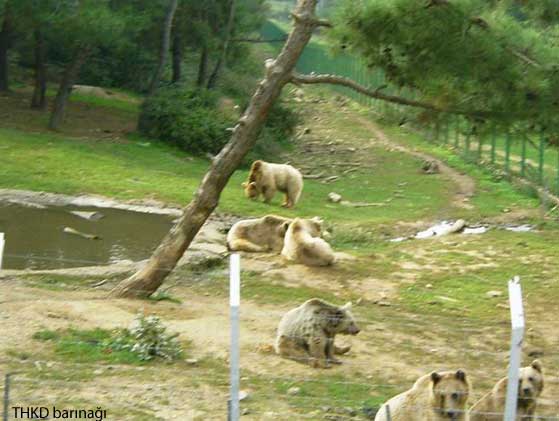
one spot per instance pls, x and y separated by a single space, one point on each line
147 339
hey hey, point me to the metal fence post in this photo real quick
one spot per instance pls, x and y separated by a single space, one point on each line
523 158
493 143
480 139
517 323
557 188
2 243
457 133
6 396
541 158
507 152
234 303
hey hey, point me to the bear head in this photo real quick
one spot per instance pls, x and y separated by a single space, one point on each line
530 382
312 226
342 321
450 392
251 190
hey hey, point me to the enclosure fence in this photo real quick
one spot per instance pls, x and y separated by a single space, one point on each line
309 393
511 149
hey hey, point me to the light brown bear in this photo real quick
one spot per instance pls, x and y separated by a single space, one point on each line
492 406
266 178
303 244
433 397
306 333
258 235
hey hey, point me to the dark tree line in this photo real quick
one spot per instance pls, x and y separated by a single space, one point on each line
136 44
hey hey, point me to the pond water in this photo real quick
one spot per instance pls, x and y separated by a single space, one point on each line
35 238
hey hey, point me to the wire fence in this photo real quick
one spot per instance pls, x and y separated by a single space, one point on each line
512 149
287 389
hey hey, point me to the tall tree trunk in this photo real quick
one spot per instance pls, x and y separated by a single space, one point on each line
39 99
202 67
212 81
68 79
165 43
5 44
278 73
177 57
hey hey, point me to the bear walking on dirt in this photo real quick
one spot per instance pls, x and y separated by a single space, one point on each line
303 244
433 397
266 179
307 333
491 407
258 235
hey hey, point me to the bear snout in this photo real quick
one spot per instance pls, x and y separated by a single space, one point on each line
353 330
527 391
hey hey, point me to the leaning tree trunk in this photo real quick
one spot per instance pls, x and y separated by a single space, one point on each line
39 100
5 43
177 57
212 81
68 79
202 67
278 73
165 43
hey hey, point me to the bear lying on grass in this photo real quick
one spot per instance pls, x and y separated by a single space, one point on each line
258 235
303 244
492 406
266 179
307 333
433 397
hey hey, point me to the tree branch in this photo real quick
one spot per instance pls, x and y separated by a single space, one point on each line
297 79
259 40
311 20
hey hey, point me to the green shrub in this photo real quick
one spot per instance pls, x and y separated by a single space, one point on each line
192 120
187 118
147 339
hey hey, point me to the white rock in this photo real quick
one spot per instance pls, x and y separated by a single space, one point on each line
334 197
293 391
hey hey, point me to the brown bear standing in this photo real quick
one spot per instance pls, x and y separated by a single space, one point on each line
266 179
307 333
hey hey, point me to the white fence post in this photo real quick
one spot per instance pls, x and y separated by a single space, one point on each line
2 242
234 303
388 416
517 322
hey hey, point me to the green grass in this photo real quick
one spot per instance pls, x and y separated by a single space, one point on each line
86 346
112 103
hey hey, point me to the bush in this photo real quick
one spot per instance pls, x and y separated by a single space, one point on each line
187 118
147 339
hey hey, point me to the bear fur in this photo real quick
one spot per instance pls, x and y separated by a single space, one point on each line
492 406
306 333
258 235
266 179
433 397
303 244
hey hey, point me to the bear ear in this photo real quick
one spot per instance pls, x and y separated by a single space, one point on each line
435 377
244 184
252 184
347 306
461 375
537 365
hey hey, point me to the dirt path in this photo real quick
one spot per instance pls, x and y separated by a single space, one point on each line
465 184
